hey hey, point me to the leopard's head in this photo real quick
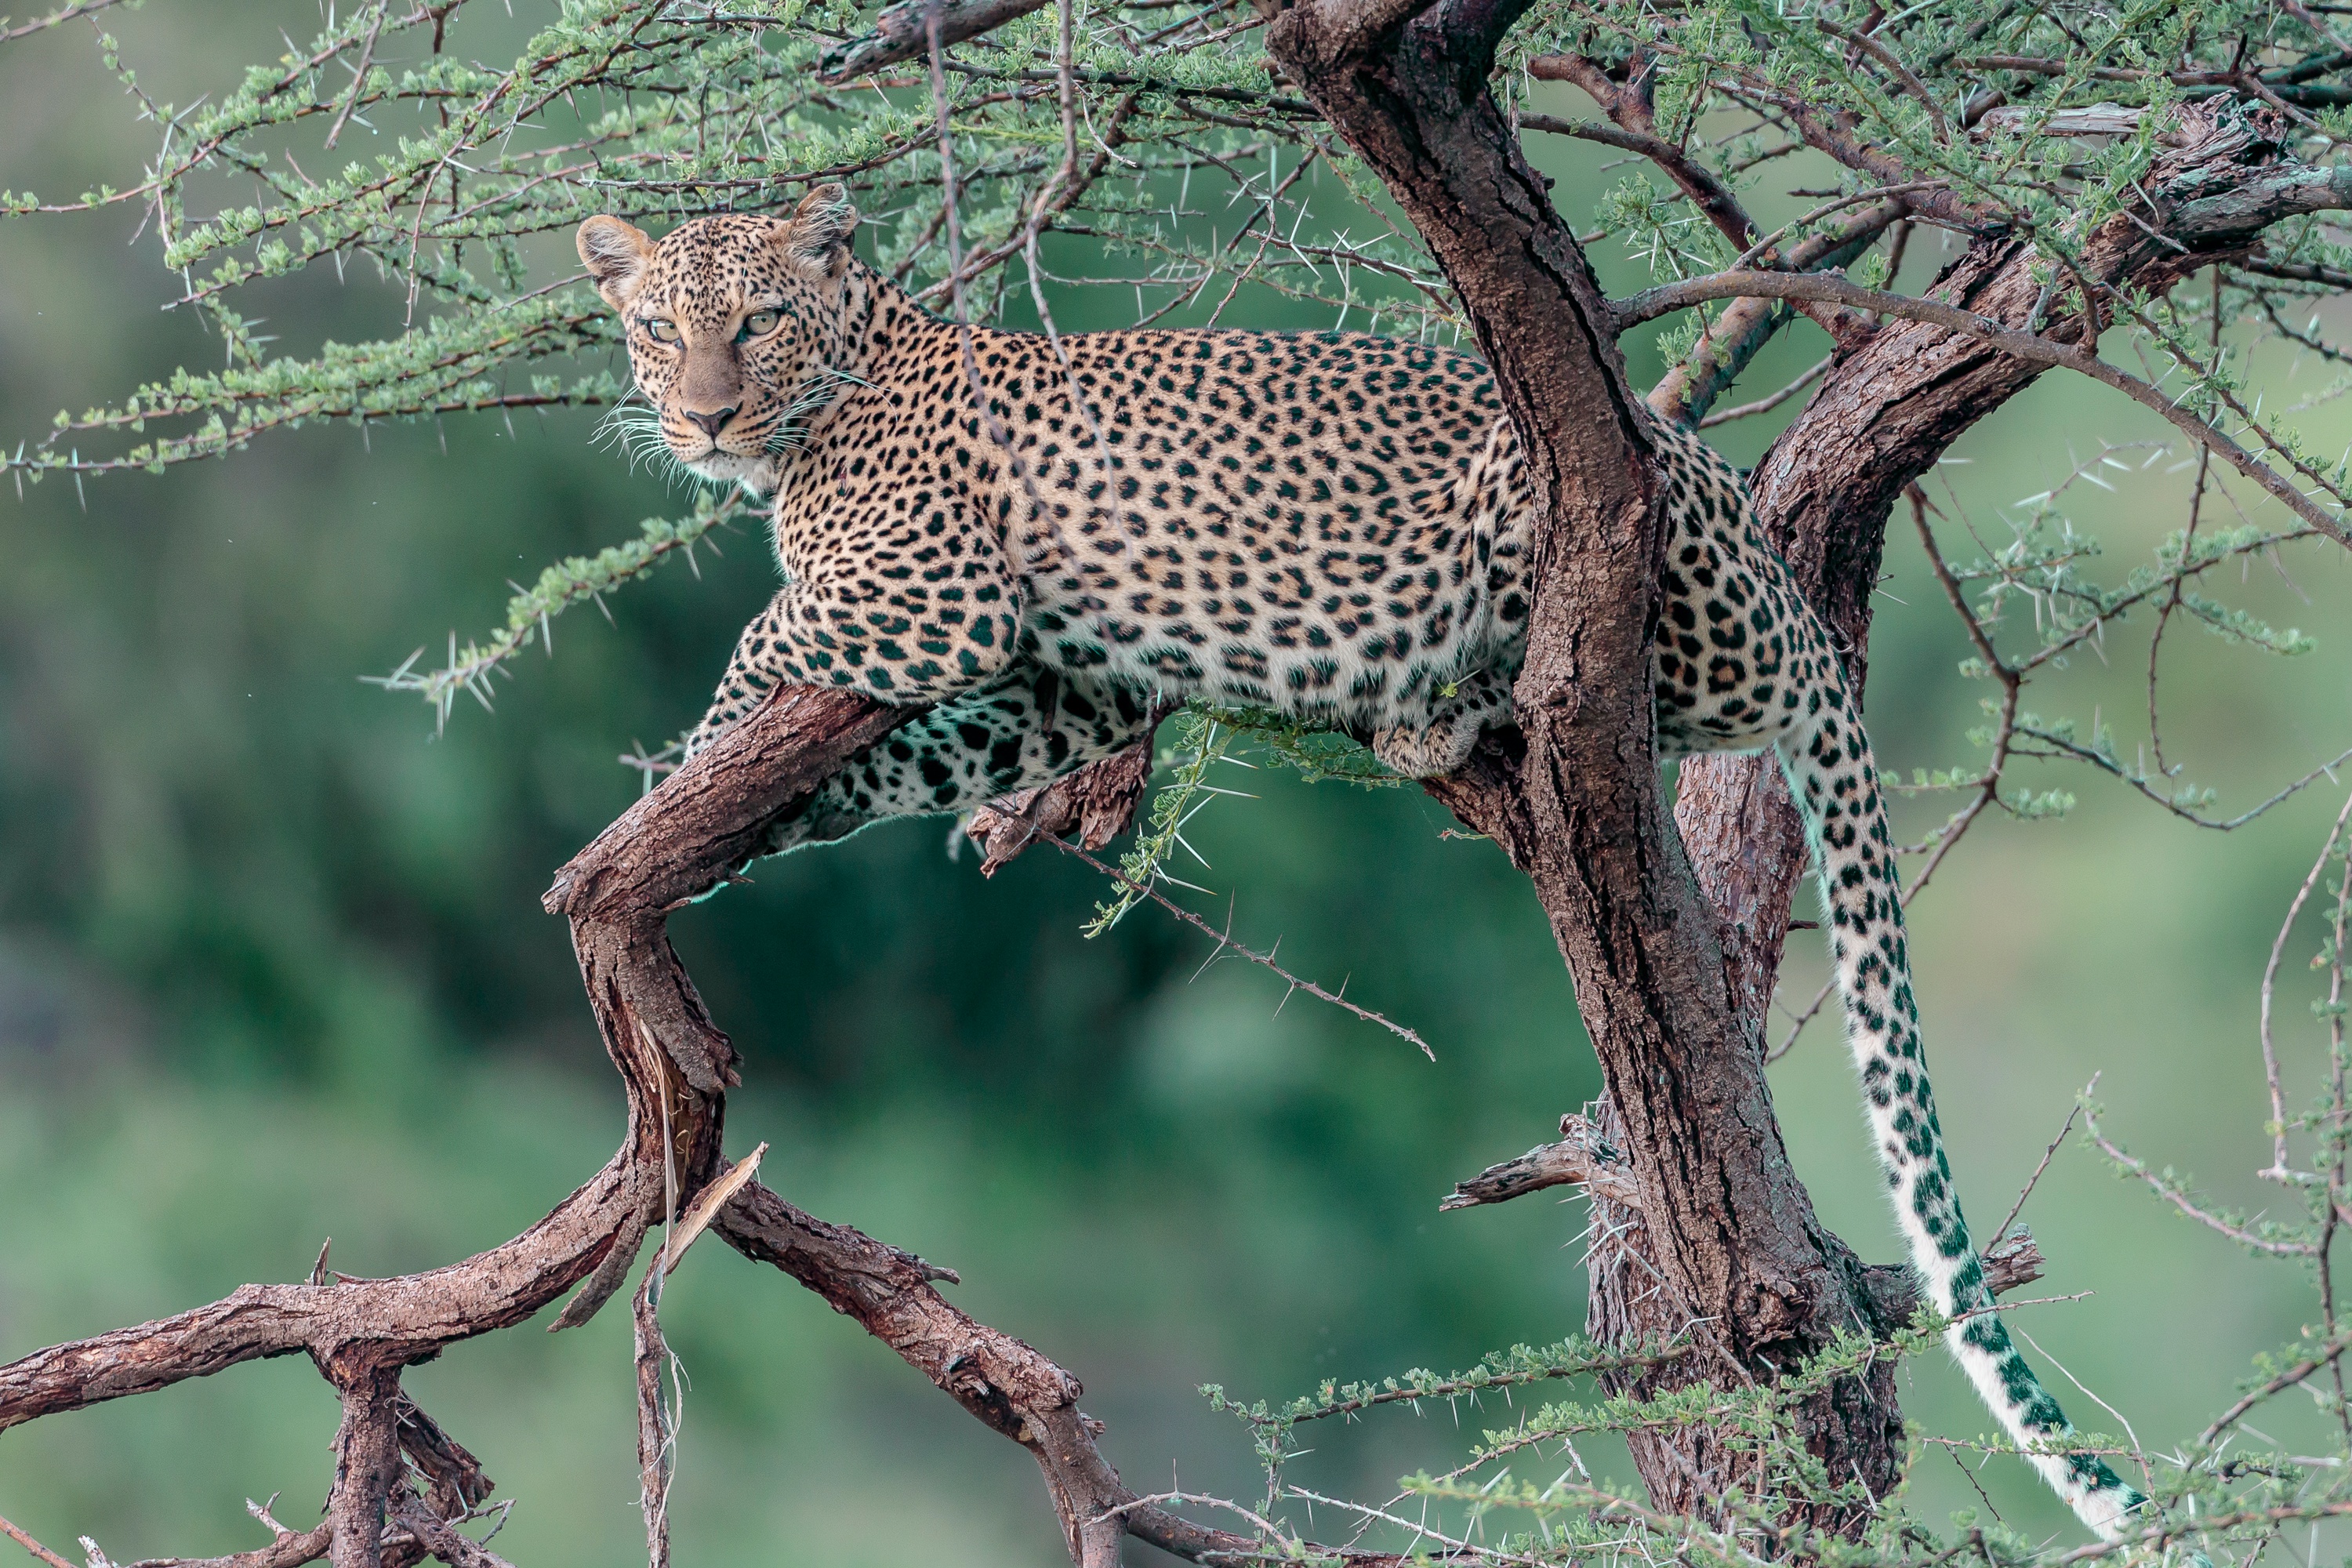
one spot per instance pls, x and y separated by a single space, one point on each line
731 321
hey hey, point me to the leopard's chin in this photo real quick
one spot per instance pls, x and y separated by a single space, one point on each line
756 474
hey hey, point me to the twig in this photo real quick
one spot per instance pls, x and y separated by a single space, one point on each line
2068 1126
1767 404
7 1529
2179 1200
1224 943
26 30
2278 1170
2327 1355
2187 539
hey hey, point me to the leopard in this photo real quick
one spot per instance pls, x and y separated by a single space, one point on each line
1043 541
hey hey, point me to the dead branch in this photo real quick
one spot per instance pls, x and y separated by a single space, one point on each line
897 32
1096 801
33 1546
437 1536
1009 1386
679 841
1579 1159
1582 1158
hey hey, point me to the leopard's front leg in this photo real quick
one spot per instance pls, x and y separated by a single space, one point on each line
908 631
1027 727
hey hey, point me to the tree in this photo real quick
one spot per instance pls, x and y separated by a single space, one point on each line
2158 180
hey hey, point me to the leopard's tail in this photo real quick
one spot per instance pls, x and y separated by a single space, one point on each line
1832 774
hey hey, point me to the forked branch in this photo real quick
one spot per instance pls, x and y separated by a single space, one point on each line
688 836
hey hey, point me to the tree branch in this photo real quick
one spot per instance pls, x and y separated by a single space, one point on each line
1579 1159
897 34
2032 348
1010 1388
1630 108
682 839
367 1460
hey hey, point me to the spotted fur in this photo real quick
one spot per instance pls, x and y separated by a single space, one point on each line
1331 525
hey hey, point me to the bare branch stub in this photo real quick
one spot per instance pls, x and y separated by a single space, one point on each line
1582 1159
1579 1159
2014 1262
1096 801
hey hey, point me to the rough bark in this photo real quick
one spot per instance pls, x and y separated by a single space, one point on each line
367 1458
1581 1158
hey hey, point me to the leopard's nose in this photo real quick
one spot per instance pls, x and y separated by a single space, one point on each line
711 424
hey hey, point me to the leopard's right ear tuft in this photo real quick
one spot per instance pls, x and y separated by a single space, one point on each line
617 255
818 234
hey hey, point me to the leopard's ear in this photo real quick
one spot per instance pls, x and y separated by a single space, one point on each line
819 232
617 255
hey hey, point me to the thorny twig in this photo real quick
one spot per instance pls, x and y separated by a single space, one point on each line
1225 944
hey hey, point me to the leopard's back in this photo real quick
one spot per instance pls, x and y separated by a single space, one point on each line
1329 524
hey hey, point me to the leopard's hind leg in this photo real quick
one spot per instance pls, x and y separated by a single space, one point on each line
1478 701
1027 726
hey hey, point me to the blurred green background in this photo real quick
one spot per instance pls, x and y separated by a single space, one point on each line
272 969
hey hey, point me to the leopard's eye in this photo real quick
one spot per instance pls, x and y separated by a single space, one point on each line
759 324
660 330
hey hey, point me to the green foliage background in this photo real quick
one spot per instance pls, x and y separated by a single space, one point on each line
272 969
